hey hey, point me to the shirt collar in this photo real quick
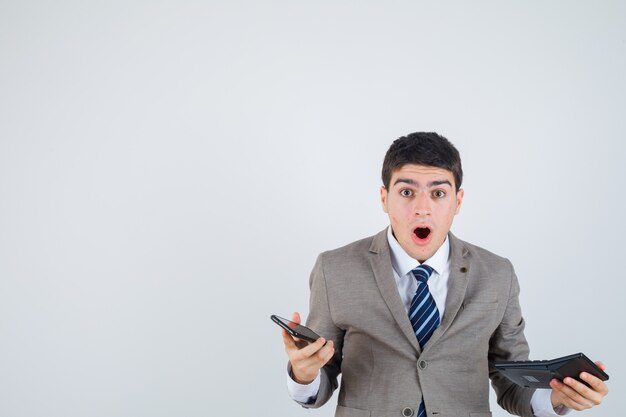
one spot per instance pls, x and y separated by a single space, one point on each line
403 263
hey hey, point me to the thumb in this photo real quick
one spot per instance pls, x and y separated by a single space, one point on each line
295 317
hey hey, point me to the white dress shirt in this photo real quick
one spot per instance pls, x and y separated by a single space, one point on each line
402 265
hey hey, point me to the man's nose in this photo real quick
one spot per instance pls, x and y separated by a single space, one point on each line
422 204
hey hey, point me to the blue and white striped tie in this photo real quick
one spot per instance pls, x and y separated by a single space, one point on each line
423 314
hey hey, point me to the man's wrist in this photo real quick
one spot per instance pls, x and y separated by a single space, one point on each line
543 406
300 381
302 393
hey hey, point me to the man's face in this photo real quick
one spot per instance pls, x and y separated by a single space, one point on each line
421 203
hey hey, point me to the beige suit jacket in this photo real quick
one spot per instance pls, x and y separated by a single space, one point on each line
355 302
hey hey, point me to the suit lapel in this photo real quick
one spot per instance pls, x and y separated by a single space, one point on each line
380 260
457 284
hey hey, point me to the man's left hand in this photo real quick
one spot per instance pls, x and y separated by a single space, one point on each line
576 395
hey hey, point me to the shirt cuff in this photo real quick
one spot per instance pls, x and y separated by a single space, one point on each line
542 405
304 394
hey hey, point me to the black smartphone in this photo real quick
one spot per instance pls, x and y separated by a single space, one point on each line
295 329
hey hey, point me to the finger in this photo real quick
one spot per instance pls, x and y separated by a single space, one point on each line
568 396
306 368
586 395
313 352
597 385
295 317
290 344
298 353
319 358
327 352
312 348
582 393
601 365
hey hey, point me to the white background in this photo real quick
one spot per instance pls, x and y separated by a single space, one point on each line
169 172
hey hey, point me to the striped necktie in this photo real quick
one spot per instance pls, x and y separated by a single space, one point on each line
423 314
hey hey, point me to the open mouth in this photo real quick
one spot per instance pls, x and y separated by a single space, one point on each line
422 232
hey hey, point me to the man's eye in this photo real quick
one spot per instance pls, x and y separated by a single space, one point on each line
406 193
439 193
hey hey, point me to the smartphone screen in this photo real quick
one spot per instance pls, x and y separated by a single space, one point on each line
295 329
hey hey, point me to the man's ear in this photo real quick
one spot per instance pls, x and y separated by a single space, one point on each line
459 200
383 197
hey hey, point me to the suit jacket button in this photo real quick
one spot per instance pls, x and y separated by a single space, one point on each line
407 411
422 364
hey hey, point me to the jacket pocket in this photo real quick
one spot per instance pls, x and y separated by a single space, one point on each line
351 412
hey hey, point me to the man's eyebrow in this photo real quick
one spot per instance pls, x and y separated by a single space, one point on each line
416 184
439 182
406 181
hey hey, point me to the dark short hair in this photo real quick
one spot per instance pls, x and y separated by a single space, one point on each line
423 148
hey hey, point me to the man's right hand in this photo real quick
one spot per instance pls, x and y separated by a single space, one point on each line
306 359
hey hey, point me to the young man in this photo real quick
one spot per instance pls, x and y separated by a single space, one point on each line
413 316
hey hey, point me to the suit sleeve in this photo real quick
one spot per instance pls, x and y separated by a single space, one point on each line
508 343
321 321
